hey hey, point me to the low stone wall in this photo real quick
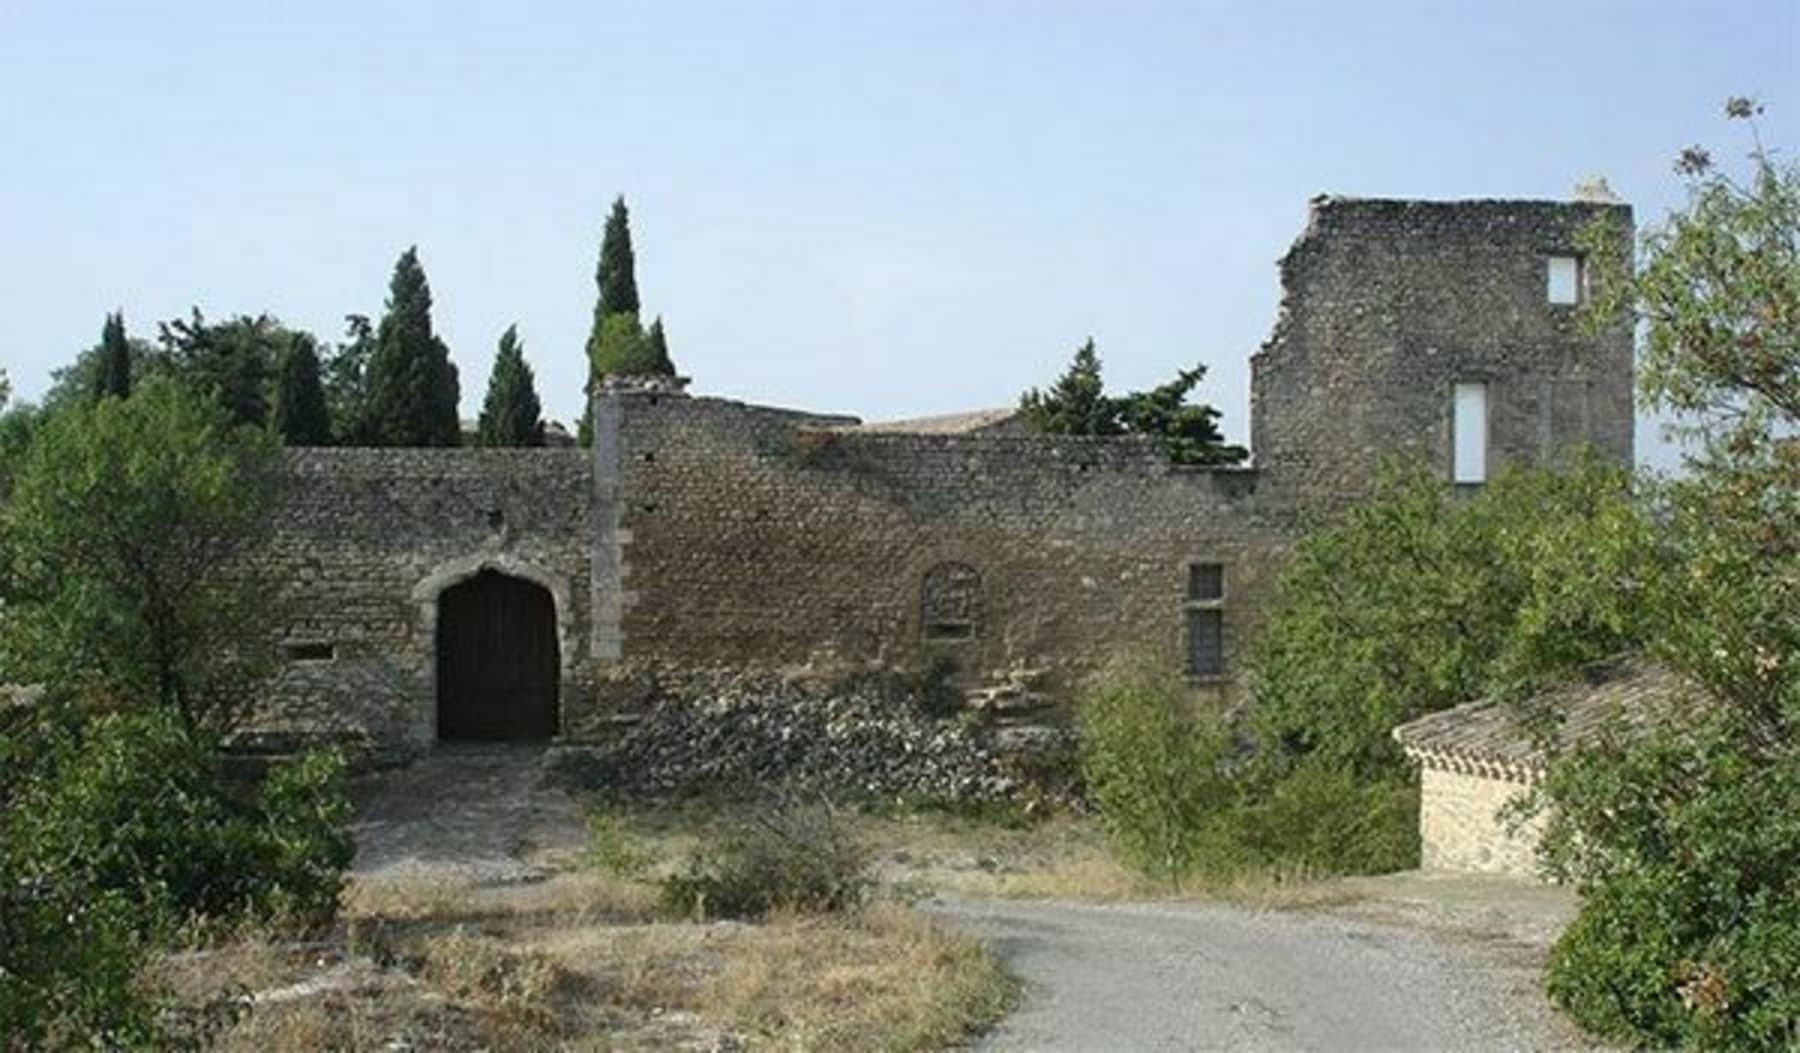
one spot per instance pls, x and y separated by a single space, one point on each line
1461 826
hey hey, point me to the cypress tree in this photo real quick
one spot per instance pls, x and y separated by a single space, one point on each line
412 384
113 377
300 414
658 343
511 414
617 273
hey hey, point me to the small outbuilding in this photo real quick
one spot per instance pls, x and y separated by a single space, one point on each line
1477 758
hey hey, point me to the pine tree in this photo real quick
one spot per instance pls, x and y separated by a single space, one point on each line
1076 404
412 384
113 378
511 414
617 273
300 414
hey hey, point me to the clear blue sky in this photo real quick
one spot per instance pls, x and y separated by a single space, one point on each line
887 209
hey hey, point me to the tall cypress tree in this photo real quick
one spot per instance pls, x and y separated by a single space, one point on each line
300 414
511 414
412 383
617 273
113 377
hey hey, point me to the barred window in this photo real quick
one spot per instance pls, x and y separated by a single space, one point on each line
1206 619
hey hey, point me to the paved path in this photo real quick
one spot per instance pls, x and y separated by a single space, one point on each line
1190 977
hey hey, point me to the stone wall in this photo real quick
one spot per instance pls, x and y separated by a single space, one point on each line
367 538
1461 827
1387 304
749 537
702 536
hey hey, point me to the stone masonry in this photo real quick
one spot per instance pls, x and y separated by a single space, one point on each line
702 536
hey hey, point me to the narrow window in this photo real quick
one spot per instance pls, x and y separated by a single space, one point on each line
1565 279
1206 619
309 651
1469 434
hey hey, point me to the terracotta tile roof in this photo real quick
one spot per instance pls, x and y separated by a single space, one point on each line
945 423
1627 696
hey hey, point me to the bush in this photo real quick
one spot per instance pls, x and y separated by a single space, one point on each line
141 806
787 857
1316 820
1687 854
1156 772
119 831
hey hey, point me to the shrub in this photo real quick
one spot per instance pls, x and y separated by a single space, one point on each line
787 857
613 849
1316 820
1156 771
1687 854
119 831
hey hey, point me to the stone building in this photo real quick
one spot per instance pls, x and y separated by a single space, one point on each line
537 593
1477 759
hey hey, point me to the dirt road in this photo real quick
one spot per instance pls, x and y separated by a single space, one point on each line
1206 976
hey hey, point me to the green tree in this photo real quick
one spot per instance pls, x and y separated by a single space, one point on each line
346 382
1077 404
1188 433
620 347
232 361
1419 598
661 363
412 384
511 414
112 378
616 274
1684 842
300 415
122 543
617 343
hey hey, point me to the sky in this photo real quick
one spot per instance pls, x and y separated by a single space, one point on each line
886 209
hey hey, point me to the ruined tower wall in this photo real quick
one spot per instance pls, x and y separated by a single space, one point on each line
1388 304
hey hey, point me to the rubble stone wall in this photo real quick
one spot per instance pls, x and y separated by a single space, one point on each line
367 538
750 538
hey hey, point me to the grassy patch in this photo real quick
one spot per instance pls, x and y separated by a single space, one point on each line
586 960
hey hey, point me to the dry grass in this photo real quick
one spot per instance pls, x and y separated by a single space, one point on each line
581 961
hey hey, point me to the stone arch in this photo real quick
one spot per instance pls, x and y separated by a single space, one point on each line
428 593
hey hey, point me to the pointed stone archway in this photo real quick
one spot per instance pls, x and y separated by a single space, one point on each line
498 631
497 666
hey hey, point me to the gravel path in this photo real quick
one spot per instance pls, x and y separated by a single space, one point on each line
1185 977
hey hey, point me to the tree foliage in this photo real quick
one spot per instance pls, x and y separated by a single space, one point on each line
1077 404
618 344
1420 598
231 361
122 533
346 374
112 378
1685 843
411 382
616 273
511 414
301 418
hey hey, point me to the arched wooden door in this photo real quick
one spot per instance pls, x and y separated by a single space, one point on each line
497 662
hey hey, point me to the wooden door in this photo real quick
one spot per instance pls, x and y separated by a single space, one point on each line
497 662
